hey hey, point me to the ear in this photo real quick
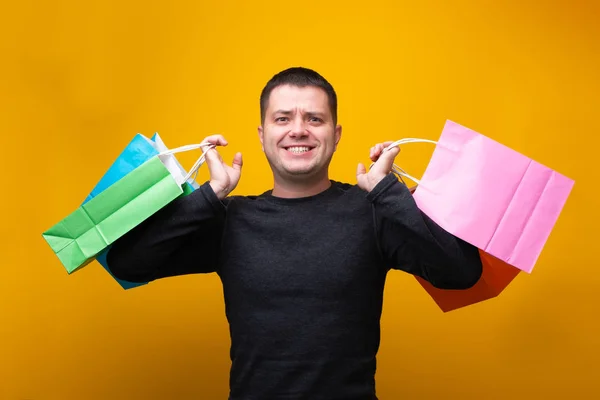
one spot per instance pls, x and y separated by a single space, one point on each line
261 137
338 135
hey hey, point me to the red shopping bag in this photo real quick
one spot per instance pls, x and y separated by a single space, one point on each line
496 276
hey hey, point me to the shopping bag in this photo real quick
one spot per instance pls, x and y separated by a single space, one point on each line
493 197
83 234
496 276
139 150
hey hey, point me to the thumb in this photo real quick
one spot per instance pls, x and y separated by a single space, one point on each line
235 172
237 162
361 176
361 170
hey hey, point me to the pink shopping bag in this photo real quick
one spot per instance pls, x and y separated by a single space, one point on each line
493 197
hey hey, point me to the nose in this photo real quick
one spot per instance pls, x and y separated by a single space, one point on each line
298 128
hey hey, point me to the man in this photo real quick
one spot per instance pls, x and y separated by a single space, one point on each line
303 265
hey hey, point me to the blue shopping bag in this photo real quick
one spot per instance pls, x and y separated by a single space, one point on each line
139 150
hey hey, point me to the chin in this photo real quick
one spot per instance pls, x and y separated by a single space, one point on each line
298 171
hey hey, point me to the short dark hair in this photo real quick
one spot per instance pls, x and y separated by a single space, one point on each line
300 77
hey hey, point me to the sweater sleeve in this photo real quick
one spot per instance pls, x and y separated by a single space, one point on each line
411 241
181 238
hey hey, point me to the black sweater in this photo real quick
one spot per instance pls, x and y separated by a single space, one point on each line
303 278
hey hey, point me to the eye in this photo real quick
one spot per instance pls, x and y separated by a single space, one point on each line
315 119
280 119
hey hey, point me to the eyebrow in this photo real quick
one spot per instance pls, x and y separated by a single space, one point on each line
309 113
285 112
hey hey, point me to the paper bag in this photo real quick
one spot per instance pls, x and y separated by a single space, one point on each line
495 277
95 225
492 197
139 150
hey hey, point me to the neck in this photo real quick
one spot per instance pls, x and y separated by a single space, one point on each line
300 188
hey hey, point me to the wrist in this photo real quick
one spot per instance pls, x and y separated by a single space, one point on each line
219 190
374 181
383 185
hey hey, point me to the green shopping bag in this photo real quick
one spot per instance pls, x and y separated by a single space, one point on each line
95 225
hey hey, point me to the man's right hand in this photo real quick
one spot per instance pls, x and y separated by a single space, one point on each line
223 178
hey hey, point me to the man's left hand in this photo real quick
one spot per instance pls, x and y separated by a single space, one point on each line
383 159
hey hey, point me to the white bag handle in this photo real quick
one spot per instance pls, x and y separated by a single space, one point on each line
189 147
396 169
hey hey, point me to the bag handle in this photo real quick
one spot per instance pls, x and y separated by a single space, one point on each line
396 169
189 147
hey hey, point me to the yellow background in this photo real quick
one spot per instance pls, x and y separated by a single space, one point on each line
78 80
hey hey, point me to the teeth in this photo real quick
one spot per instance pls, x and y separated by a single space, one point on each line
298 149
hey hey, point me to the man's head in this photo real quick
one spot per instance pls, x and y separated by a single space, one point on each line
299 131
299 77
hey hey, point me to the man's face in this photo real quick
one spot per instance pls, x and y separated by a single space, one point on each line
298 135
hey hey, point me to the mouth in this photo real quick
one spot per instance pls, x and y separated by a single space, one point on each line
298 149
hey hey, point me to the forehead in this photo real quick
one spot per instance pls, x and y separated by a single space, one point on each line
288 97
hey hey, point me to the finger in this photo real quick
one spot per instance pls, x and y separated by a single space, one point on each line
386 146
235 171
215 154
386 160
237 162
361 176
374 155
361 170
217 140
377 150
391 153
213 160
